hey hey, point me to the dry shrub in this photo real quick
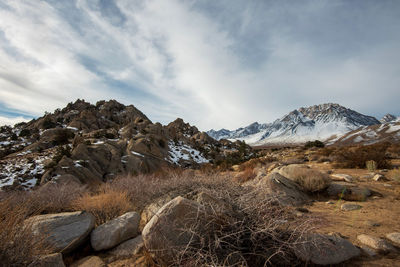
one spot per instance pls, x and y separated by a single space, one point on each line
259 233
18 247
246 175
293 160
104 205
355 157
310 180
144 189
326 151
394 151
371 165
394 174
55 198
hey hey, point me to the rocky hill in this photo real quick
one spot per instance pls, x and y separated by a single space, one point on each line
89 143
301 125
388 118
367 135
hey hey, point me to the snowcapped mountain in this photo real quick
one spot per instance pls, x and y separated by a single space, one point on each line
301 125
388 118
367 135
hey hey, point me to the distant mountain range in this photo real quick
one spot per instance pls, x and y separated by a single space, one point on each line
301 125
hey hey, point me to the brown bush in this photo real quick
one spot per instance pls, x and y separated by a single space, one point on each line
259 233
355 157
18 247
394 174
246 175
104 205
144 189
310 180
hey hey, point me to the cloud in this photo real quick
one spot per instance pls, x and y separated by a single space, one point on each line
11 121
214 63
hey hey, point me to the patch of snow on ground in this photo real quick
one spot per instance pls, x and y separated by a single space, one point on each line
358 139
72 128
185 152
98 142
393 128
22 171
137 154
24 153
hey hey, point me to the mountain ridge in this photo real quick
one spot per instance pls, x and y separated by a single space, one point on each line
300 125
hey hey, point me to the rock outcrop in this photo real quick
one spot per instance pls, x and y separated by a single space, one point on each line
115 231
94 143
286 191
171 229
325 249
64 231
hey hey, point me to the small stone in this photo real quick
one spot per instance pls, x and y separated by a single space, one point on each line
325 249
330 202
342 177
89 261
350 207
376 243
379 178
299 214
368 251
304 210
387 185
372 223
394 237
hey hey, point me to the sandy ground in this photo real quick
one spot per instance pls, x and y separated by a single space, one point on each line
384 209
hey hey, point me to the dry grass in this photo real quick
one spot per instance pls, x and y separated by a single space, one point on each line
259 233
310 180
357 156
144 189
394 174
104 205
18 247
246 175
371 165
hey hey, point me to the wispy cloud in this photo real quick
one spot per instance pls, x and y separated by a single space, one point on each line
214 63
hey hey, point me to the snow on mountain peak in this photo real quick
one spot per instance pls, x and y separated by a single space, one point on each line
301 125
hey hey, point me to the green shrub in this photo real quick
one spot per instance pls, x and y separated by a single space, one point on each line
315 143
62 137
371 165
356 157
24 132
48 123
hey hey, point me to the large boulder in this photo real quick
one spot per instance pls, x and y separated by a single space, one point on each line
115 231
89 261
325 249
348 191
173 228
342 177
128 249
394 237
310 180
51 260
150 210
64 231
287 192
381 245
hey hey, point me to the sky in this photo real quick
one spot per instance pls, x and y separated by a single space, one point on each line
216 64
